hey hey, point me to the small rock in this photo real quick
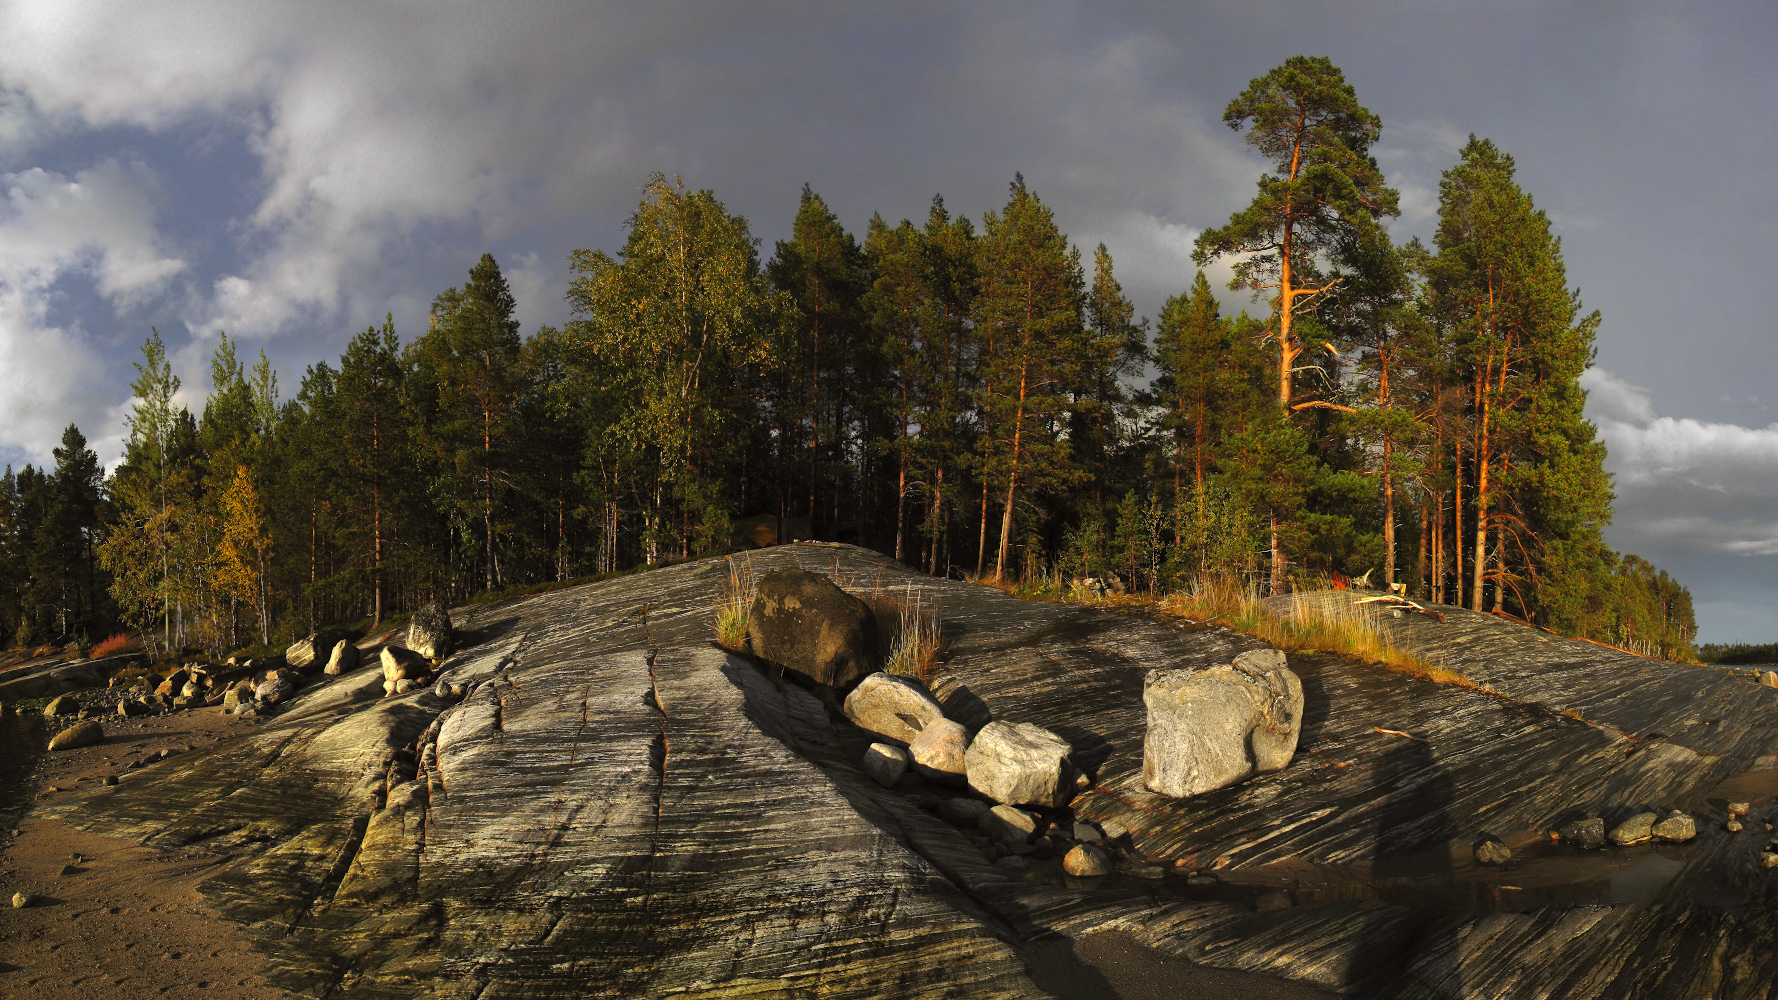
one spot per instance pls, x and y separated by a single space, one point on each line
1009 825
108 780
1586 834
277 686
1766 860
895 708
1087 833
132 707
940 752
20 900
1733 825
68 870
1677 828
885 763
1634 830
1490 851
62 705
1768 678
1082 782
1113 829
1738 808
81 734
1086 861
406 684
1020 764
966 813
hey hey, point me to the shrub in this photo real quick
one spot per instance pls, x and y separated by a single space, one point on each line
123 642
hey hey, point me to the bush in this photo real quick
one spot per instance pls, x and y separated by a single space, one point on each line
123 642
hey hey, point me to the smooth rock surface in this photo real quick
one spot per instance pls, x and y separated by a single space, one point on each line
892 708
1018 763
885 763
940 752
1208 729
802 622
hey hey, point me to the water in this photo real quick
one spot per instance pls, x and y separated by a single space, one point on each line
21 745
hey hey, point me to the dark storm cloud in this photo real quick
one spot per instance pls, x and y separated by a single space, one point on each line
290 174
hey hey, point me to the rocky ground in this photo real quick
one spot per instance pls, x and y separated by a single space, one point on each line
618 808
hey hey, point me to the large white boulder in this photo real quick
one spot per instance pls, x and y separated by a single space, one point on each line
893 707
1017 763
1208 729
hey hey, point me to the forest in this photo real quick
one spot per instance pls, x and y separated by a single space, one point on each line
976 398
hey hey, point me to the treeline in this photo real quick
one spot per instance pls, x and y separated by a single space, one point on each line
974 399
1738 653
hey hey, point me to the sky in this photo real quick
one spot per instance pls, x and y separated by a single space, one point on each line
290 174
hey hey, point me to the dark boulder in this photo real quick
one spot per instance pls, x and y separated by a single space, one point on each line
310 654
429 631
803 623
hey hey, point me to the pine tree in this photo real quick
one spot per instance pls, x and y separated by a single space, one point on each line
374 434
138 552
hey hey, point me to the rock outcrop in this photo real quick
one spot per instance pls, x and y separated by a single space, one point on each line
308 653
802 622
1208 729
618 808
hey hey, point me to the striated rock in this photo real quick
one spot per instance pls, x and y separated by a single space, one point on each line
1586 834
1018 763
343 659
1676 828
429 631
802 622
1208 729
940 752
1490 851
81 734
885 763
63 705
894 708
305 654
1086 861
1009 825
1634 830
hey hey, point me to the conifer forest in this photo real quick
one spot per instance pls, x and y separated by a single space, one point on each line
974 396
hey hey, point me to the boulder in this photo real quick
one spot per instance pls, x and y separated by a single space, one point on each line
81 734
61 705
1017 763
940 752
966 813
192 689
885 763
1490 851
1634 830
1586 834
1086 861
406 685
400 664
237 693
306 653
895 708
803 623
343 659
1768 678
132 706
1739 808
1008 825
173 684
1677 828
429 631
277 686
1208 729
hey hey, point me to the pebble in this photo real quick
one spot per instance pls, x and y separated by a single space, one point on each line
1677 827
20 900
1634 830
109 779
1087 832
1086 861
1738 808
1733 825
1586 834
1766 860
885 763
1492 852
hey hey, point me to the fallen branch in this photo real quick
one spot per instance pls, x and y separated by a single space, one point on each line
1397 732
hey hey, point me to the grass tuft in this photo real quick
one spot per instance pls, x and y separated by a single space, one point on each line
917 642
732 607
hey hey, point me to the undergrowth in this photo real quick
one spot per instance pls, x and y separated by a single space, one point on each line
916 641
732 607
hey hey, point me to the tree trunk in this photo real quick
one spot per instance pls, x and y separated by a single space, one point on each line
1457 520
1481 490
1012 478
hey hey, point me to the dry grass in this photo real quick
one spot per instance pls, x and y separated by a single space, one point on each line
915 642
733 605
120 643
